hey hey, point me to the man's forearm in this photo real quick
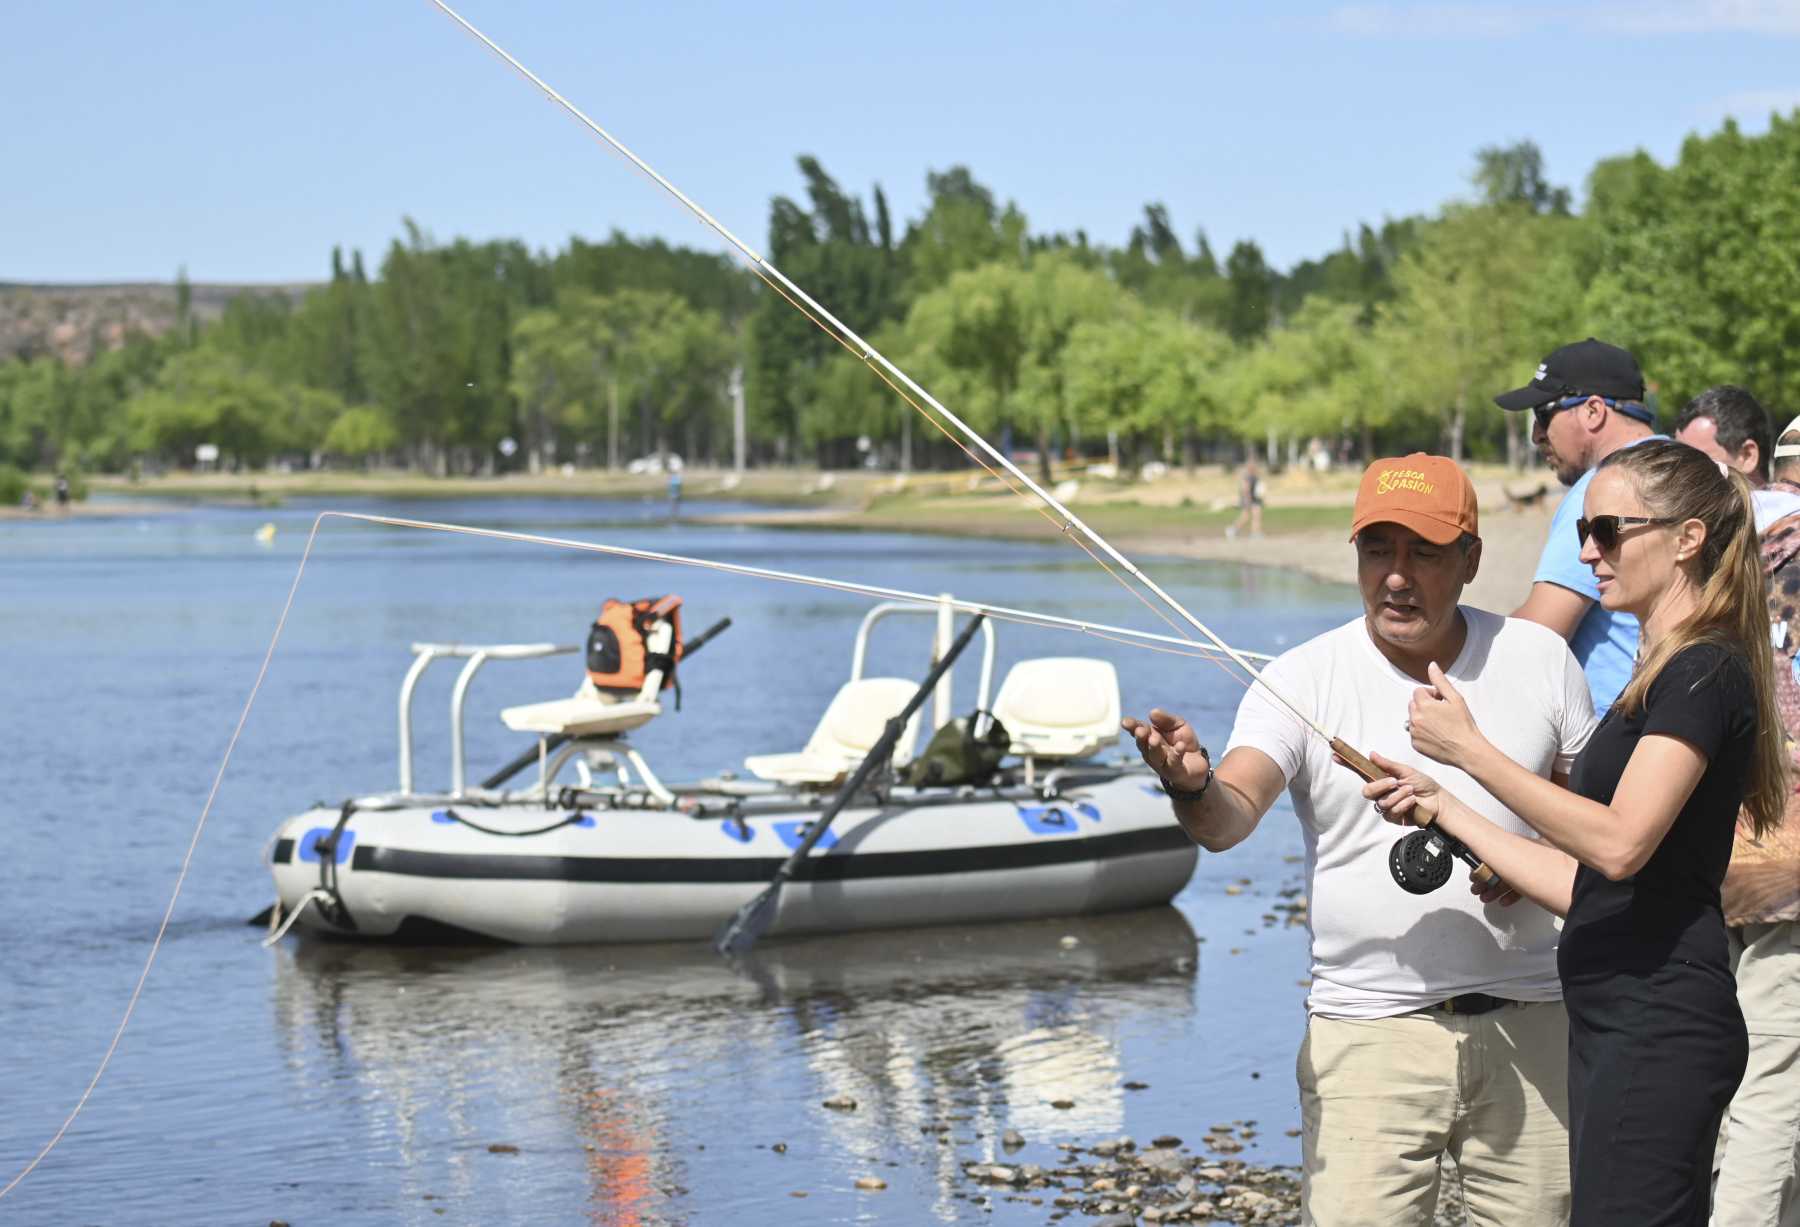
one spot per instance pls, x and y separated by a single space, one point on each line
1561 609
1221 819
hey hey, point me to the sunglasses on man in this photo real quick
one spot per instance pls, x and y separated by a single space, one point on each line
1605 530
1543 413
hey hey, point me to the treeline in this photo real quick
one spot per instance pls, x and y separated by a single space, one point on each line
468 357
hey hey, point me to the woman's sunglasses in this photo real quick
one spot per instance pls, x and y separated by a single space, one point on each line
1605 530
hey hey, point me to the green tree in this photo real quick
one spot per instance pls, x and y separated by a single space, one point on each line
1148 375
1154 265
360 433
1483 286
847 265
1319 375
707 281
1691 266
1250 292
1514 174
963 228
999 332
326 333
203 396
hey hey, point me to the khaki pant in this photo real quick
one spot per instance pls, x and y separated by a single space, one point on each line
1759 1178
1383 1101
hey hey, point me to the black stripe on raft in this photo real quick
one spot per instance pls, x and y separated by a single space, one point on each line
826 868
284 852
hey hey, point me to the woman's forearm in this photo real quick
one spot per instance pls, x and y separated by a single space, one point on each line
1586 830
1541 873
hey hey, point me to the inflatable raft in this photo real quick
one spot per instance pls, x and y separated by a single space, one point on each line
1066 825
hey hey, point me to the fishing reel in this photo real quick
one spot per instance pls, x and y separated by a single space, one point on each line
1421 860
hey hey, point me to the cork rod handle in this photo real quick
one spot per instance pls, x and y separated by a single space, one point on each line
1360 763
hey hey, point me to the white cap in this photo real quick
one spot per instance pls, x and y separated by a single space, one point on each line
1790 449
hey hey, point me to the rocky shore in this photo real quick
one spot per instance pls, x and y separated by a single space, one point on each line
1117 1182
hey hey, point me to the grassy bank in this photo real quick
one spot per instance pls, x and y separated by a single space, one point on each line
1208 493
788 486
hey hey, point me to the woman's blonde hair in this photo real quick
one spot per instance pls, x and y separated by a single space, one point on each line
1678 482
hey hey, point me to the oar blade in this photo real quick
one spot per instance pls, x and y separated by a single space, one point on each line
748 923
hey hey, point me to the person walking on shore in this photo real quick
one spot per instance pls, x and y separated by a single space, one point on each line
1634 852
1731 426
1434 1026
1587 402
1250 501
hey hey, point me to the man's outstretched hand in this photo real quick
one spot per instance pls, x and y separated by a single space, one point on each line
1169 746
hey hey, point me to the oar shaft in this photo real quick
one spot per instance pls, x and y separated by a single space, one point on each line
751 921
882 750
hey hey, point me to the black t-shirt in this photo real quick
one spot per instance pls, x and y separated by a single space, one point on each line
1669 910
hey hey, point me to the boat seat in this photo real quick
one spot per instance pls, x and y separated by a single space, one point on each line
848 730
1059 706
589 714
592 712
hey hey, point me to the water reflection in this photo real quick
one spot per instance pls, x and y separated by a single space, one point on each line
615 1066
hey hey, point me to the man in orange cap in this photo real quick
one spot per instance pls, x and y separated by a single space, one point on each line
1435 1022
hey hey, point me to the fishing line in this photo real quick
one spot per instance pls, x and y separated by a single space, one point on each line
1115 634
818 317
1026 617
187 860
870 355
890 374
1038 506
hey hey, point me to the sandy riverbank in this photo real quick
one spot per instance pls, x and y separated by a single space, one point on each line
1181 515
87 510
1306 522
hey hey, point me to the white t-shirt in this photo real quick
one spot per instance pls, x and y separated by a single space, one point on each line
1771 505
1378 950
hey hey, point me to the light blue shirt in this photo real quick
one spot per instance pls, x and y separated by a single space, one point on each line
1605 642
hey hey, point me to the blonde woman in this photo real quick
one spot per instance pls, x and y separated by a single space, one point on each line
1634 851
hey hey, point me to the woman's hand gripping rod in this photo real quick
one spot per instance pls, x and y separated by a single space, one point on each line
1420 861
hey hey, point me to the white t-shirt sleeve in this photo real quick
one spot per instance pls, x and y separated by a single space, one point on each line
1265 723
1575 718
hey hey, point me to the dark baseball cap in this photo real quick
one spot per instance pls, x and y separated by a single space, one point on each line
1586 368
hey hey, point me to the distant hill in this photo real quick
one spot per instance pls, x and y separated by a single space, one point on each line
74 322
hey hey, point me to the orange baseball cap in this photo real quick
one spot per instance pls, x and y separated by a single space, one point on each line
1429 494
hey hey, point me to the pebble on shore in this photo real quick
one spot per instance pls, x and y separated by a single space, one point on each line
1119 1184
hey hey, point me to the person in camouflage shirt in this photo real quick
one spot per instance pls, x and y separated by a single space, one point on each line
1759 1175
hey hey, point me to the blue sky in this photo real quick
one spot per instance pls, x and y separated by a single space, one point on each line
243 138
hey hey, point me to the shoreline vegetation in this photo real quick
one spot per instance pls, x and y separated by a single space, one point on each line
473 355
1182 515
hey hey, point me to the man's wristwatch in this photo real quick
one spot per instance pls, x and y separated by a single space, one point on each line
1189 794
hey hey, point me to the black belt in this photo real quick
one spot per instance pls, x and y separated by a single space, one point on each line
1471 1003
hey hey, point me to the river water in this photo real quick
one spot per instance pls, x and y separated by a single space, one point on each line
319 1083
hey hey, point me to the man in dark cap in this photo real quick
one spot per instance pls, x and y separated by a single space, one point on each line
1587 402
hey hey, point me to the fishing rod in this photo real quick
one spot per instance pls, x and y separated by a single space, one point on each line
903 383
890 373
